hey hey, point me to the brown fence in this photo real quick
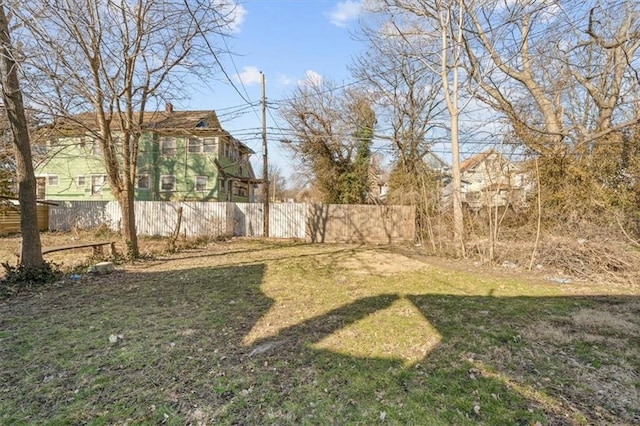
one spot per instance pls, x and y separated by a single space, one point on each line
10 219
342 223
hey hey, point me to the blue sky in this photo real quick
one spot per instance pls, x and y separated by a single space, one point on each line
289 41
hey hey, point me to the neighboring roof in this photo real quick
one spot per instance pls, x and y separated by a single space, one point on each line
156 120
434 162
473 161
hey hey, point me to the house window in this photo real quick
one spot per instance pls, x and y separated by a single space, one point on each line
168 147
209 144
201 183
96 149
143 182
240 189
97 183
228 150
195 146
168 183
80 181
52 180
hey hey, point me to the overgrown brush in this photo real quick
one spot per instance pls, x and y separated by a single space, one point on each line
22 278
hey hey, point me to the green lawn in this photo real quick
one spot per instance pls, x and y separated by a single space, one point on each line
257 333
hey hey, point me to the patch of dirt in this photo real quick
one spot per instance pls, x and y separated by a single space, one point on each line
382 263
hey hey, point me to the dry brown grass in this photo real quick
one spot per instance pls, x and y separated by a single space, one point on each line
265 332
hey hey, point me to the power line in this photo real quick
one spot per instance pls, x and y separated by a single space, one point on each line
213 53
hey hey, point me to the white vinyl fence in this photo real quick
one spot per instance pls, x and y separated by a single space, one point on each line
159 218
311 222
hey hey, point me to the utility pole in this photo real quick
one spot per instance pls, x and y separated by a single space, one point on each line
265 165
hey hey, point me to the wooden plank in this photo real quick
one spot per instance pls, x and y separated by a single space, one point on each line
97 247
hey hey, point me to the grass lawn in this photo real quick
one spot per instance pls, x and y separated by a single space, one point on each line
261 332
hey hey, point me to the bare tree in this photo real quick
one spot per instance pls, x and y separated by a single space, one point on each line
31 256
278 183
115 59
440 24
333 132
406 93
566 79
7 157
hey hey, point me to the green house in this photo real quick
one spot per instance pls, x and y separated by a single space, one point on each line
182 156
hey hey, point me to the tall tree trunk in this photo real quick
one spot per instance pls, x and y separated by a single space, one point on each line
31 255
452 43
458 219
129 233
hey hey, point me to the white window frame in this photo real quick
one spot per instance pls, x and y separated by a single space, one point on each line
210 145
97 187
194 148
56 181
173 187
96 148
173 150
206 183
78 179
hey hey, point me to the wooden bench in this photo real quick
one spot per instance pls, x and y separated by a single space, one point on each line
95 245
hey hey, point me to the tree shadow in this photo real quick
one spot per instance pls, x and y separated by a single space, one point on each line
169 347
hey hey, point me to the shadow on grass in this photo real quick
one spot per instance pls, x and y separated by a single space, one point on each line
327 249
167 348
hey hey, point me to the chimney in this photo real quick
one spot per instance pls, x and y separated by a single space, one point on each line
168 107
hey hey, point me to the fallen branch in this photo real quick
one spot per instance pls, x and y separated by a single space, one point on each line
631 240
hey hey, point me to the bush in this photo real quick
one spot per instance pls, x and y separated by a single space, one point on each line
21 278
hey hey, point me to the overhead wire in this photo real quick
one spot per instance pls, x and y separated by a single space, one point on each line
255 132
213 53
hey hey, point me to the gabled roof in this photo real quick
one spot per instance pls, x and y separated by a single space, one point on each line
202 122
434 162
152 120
183 120
473 161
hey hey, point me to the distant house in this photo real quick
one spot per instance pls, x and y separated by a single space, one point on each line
379 178
490 180
183 156
436 164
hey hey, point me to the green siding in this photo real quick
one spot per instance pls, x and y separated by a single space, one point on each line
71 158
67 160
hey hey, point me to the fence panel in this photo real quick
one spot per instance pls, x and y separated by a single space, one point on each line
313 222
10 218
68 215
360 223
156 218
205 219
247 219
288 220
